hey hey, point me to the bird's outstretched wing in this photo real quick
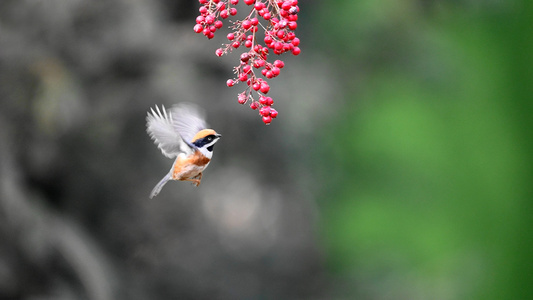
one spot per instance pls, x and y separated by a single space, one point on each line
161 128
187 119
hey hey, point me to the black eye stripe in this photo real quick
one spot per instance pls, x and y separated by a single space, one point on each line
204 141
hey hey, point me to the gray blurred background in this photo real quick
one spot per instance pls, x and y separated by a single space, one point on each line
399 166
76 81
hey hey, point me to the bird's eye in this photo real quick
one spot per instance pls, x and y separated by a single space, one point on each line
209 138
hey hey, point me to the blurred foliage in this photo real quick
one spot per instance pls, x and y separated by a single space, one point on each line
428 170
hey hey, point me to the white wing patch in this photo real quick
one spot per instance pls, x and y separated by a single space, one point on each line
160 127
187 119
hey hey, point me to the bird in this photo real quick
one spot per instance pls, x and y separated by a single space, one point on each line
181 132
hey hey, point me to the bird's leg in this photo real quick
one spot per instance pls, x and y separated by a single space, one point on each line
194 180
198 179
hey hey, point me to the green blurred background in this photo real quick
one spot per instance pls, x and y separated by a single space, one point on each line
399 167
429 166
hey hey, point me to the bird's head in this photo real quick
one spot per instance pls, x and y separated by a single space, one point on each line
205 140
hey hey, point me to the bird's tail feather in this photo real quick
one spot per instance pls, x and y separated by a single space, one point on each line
160 185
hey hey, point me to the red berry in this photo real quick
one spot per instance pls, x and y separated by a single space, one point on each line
234 2
266 15
233 11
267 120
273 113
203 10
256 86
259 6
269 102
258 63
230 82
246 24
224 14
254 21
268 40
210 19
265 87
198 28
254 105
219 52
235 44
296 51
246 69
286 5
278 63
248 44
293 25
296 41
275 71
243 77
265 111
242 98
290 36
245 57
218 24
268 74
200 19
249 2
230 36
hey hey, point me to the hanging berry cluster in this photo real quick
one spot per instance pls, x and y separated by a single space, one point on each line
277 20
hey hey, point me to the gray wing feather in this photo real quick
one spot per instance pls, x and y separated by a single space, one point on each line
160 127
187 120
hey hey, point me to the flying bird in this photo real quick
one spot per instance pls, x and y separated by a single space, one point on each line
181 133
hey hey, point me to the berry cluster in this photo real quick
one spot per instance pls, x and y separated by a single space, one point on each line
277 19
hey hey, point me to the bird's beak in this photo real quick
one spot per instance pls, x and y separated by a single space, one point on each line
218 135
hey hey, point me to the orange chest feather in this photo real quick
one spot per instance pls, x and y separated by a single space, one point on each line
188 167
